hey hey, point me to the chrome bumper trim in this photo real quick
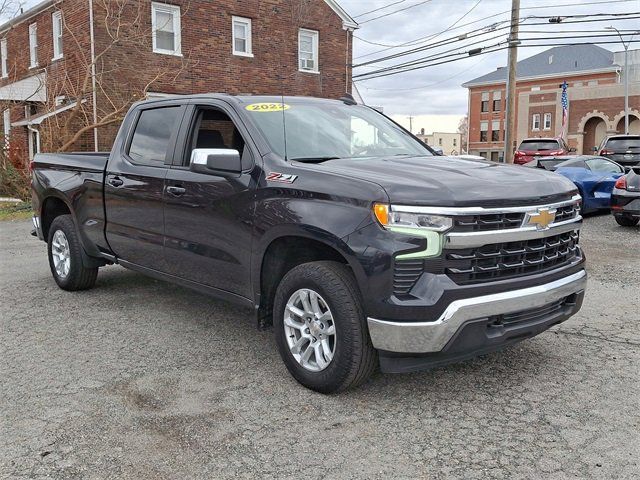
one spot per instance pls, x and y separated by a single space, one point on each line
424 337
478 239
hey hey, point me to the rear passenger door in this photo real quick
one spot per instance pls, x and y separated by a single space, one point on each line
209 218
134 185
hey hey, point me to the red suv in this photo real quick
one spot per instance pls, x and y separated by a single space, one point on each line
531 148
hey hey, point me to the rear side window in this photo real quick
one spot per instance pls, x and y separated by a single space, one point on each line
536 145
601 165
152 135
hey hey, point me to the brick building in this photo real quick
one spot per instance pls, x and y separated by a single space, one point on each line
596 99
69 64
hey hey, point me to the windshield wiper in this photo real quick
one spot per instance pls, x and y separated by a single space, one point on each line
315 159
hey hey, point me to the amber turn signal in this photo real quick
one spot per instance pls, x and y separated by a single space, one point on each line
381 211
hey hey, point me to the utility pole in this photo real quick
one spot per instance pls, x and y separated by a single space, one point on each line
410 124
626 78
510 119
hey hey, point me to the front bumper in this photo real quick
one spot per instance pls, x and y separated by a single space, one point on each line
433 336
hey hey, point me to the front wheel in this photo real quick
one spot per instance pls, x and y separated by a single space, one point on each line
65 256
321 329
627 221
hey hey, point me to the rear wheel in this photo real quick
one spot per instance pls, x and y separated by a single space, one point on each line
65 256
320 328
627 221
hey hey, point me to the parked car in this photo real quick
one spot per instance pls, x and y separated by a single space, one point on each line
625 199
594 177
623 149
329 220
547 163
540 147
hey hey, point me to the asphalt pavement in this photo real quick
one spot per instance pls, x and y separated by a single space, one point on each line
140 379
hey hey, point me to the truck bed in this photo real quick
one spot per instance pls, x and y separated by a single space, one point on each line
82 161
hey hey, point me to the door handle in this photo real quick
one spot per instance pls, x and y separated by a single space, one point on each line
116 182
176 191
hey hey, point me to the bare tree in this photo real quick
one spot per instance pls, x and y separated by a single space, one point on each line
463 130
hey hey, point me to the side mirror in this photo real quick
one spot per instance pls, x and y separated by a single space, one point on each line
224 162
595 149
573 150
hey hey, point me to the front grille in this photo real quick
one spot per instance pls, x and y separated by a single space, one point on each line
405 275
481 223
503 221
513 259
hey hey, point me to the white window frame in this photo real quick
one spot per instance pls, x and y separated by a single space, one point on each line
535 122
315 43
57 28
4 61
245 22
33 45
174 11
547 121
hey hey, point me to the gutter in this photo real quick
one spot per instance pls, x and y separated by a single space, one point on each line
27 15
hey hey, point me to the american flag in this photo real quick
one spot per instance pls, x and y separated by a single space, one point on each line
565 109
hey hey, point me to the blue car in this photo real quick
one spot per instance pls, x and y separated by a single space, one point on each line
594 177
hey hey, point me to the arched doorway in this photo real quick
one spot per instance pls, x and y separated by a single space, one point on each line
634 125
594 131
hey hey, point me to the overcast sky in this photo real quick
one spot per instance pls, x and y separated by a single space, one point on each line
437 90
434 95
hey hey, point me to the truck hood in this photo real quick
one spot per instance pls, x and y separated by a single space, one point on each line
454 181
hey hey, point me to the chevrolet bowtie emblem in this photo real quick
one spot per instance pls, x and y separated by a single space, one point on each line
541 219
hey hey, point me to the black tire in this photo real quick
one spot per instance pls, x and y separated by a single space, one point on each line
627 221
79 277
354 359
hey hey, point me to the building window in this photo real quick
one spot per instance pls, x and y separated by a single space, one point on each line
578 84
3 54
484 127
165 24
242 37
497 101
495 131
6 119
592 83
495 156
308 50
440 141
455 142
33 45
547 121
535 121
484 104
483 154
56 20
535 89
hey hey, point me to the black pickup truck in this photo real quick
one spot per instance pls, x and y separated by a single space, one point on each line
340 228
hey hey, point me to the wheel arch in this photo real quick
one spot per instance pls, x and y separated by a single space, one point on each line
286 248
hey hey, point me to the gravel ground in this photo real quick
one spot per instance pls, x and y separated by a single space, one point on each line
141 379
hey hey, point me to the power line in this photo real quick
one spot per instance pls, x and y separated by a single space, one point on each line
430 36
395 11
483 51
467 35
378 9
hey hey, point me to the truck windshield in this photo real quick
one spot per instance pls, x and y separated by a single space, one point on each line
319 131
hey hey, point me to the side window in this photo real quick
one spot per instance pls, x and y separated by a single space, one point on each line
603 166
215 129
152 135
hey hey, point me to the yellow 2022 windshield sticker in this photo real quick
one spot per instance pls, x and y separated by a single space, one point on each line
268 107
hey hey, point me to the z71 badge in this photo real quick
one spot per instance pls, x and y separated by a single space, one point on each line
281 177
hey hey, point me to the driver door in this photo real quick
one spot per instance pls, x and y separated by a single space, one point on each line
208 218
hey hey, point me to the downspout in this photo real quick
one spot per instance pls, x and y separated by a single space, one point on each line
346 64
94 95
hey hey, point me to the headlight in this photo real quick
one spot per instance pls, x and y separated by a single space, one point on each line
389 218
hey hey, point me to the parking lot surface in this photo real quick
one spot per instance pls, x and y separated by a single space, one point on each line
142 379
